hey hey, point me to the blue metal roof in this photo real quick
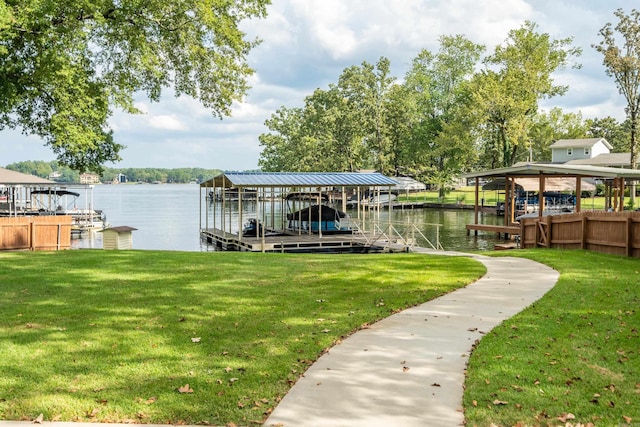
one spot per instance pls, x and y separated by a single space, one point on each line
299 179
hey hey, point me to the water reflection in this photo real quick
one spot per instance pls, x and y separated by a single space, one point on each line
167 218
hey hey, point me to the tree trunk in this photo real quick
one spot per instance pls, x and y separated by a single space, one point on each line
634 129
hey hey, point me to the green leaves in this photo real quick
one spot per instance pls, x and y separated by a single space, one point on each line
66 64
506 94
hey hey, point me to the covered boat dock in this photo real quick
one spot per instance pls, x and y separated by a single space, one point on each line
545 176
293 212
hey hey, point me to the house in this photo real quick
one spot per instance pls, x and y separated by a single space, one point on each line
566 150
89 178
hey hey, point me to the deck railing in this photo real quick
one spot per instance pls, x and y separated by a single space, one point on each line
393 234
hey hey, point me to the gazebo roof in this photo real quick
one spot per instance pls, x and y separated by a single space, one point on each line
298 179
550 169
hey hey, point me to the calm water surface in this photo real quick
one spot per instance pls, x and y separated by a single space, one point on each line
167 218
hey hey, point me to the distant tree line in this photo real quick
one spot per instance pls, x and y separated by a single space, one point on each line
453 111
148 175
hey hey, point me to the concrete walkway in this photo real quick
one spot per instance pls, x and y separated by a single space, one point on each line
408 369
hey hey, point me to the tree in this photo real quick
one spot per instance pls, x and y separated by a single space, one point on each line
507 92
401 116
284 148
549 127
617 134
65 64
342 128
366 90
442 140
623 64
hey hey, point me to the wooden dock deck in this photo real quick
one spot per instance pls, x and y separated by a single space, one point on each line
290 242
506 230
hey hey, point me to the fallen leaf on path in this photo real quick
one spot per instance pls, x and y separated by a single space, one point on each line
39 419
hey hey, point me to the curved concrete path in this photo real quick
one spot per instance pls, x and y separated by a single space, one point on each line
408 369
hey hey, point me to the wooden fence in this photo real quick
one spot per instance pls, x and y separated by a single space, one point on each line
616 233
35 232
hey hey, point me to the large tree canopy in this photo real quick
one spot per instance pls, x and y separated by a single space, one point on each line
65 64
623 64
517 77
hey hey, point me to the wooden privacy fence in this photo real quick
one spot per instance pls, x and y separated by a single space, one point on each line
35 232
616 233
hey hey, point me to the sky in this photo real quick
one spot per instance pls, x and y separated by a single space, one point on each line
306 44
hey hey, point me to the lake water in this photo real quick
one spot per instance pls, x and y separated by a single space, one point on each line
167 218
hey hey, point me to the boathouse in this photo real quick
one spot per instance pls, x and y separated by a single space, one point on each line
610 230
294 212
22 225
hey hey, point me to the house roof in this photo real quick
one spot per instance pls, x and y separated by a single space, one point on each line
605 159
298 179
9 177
580 143
536 169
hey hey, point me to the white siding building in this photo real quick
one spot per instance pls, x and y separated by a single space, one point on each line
566 150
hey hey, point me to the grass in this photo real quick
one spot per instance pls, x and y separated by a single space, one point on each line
573 356
195 338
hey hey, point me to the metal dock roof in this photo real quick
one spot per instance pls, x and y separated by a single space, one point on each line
299 179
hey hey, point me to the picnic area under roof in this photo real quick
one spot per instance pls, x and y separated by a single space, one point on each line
298 179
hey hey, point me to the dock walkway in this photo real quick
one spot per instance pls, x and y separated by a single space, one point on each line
294 242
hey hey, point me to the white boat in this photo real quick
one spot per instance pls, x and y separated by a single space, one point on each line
65 202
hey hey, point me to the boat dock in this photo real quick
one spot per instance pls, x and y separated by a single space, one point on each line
293 242
506 230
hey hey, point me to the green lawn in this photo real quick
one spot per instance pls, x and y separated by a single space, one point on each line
114 336
196 338
574 356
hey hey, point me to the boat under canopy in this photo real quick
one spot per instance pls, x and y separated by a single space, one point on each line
318 218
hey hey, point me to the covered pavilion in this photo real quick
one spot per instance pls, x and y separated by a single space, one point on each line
615 180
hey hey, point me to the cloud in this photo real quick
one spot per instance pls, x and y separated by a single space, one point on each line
166 122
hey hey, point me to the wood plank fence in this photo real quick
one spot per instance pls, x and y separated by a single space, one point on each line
35 232
616 233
